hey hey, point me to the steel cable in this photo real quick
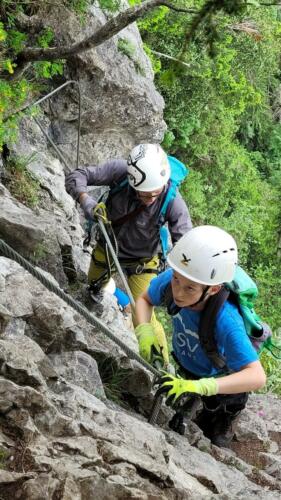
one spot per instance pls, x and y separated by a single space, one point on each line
10 253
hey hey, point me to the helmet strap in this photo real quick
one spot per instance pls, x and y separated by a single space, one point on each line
202 297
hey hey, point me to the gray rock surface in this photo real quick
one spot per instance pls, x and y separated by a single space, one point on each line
61 437
120 105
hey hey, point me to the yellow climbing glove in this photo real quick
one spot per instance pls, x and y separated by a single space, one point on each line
148 343
176 388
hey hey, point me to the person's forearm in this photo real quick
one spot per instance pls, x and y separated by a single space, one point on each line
143 310
249 379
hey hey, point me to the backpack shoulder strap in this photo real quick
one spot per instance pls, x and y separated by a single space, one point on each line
170 195
207 327
178 172
117 186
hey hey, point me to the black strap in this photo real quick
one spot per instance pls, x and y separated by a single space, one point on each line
207 327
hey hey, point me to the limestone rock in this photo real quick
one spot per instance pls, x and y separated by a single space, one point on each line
22 361
80 369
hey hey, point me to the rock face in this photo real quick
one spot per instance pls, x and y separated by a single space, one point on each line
60 433
73 406
120 106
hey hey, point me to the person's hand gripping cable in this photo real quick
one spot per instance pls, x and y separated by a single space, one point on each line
176 388
153 346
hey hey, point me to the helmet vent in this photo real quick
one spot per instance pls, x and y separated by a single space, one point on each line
213 274
224 251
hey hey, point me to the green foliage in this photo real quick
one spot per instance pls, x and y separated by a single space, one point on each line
13 94
273 373
16 40
156 63
154 21
269 300
166 321
126 47
4 456
39 253
115 380
45 38
221 122
47 69
113 5
110 5
21 182
79 6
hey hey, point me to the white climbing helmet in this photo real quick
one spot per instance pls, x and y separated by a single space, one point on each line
206 255
148 167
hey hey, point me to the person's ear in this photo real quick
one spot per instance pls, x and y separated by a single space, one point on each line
213 290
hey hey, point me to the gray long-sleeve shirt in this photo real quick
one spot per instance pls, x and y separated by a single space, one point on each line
138 237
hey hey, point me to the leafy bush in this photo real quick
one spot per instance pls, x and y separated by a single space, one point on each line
221 122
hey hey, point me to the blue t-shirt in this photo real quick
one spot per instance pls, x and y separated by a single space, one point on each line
230 335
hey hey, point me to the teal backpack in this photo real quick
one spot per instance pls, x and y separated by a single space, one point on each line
242 291
178 173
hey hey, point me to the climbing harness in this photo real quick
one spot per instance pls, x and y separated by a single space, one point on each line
110 245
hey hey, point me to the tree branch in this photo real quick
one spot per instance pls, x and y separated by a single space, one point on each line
107 31
160 54
208 8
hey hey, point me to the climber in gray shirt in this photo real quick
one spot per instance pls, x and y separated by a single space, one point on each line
133 207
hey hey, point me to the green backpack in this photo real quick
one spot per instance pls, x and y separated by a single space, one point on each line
242 291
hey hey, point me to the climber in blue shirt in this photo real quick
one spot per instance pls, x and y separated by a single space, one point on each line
201 261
